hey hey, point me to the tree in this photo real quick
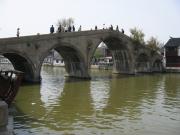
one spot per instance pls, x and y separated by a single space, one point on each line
154 44
65 22
137 36
98 53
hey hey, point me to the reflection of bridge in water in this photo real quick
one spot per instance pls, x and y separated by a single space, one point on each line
77 49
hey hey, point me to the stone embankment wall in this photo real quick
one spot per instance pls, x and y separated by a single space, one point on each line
4 119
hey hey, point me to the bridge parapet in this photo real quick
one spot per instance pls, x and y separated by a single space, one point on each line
38 37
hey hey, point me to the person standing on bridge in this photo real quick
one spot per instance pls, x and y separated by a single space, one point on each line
18 32
104 27
79 28
122 30
111 27
52 29
59 29
73 28
117 28
65 29
96 27
69 28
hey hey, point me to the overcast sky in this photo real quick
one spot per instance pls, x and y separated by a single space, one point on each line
159 18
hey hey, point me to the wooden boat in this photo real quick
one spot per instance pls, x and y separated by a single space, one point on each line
9 85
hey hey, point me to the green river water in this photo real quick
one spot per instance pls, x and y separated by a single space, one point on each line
105 105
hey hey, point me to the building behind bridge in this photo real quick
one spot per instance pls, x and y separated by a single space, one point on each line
54 59
4 60
172 55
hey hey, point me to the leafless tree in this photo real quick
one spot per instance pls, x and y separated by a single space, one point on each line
65 22
154 44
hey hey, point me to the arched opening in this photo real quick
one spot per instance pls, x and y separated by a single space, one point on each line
20 63
68 58
73 62
53 64
142 63
122 58
102 58
157 66
54 59
120 55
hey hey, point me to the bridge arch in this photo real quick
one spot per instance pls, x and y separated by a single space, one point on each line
121 54
157 65
143 62
75 64
22 63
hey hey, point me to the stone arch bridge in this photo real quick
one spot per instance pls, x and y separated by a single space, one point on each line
77 49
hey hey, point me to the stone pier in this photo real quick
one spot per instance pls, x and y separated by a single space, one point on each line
4 130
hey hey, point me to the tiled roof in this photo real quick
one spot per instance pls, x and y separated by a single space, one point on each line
173 42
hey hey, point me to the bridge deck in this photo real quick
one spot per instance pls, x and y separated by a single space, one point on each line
12 40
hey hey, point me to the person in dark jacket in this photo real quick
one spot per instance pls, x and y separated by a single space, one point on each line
69 28
73 28
122 30
96 27
59 29
18 32
52 29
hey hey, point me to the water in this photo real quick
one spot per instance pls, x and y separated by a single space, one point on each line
106 105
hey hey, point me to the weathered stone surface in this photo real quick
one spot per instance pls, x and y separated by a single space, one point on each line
77 48
3 116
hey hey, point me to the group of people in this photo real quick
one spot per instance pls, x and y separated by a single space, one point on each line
72 29
110 28
64 29
117 29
